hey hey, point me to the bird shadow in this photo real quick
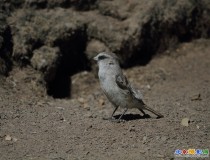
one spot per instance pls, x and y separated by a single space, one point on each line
130 117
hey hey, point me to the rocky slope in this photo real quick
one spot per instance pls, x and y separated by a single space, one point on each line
62 37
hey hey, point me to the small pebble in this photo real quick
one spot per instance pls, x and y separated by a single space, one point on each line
185 122
81 100
8 138
101 102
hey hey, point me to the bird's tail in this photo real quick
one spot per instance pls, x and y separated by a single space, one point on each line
153 111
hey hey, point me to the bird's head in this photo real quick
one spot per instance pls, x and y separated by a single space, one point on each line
106 57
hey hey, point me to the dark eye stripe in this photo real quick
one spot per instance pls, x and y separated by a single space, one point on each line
102 57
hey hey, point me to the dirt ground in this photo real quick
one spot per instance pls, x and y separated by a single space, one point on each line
177 84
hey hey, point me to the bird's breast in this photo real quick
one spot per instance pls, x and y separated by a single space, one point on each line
115 94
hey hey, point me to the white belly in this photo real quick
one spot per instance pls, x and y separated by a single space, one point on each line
116 95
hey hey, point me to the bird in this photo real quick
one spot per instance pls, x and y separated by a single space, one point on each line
117 88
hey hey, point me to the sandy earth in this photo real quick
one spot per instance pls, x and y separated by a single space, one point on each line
177 84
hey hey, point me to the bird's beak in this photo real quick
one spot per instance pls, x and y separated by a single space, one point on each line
95 58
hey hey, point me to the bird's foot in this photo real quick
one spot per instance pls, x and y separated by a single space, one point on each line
118 120
113 119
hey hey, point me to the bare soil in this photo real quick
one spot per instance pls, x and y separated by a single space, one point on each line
177 84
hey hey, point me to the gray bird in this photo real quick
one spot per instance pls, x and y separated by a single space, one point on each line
116 86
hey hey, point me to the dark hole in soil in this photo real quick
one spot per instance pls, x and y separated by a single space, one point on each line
146 49
73 60
157 37
6 50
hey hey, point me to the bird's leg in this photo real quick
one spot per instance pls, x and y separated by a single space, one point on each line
112 116
144 114
116 107
142 111
122 114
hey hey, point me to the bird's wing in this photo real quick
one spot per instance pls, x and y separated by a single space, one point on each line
136 93
123 83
